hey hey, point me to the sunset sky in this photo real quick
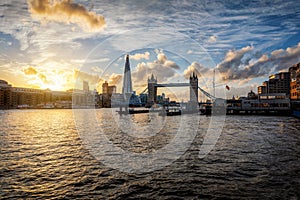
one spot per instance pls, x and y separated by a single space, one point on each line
52 44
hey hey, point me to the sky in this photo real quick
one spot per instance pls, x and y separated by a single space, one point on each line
57 44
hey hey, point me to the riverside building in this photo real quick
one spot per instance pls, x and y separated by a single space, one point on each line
277 83
19 97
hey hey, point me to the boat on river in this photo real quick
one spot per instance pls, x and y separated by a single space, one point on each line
133 111
170 111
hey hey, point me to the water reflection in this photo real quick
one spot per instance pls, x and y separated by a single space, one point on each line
42 156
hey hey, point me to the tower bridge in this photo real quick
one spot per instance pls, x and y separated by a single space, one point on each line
153 85
179 85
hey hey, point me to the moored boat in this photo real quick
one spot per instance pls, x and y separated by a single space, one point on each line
170 111
295 106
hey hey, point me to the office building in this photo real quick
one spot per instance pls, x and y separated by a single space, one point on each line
106 96
127 83
277 83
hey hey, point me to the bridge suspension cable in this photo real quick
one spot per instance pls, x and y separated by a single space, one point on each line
144 91
207 94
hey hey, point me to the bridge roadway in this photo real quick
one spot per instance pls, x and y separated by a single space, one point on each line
172 85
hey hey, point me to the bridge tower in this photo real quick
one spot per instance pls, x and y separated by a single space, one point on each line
194 89
152 90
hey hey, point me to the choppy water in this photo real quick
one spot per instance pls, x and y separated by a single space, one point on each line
42 156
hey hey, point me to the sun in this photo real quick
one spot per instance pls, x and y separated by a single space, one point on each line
53 75
56 82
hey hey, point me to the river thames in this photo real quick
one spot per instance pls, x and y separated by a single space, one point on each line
43 156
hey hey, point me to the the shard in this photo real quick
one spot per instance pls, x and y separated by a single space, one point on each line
127 84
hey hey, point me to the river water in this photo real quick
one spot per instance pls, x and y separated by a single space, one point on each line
43 156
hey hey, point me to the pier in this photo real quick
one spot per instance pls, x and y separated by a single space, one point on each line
273 104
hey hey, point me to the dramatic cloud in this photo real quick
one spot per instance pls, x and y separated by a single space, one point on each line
162 68
115 79
196 68
278 60
30 71
139 56
163 61
234 57
286 58
67 12
243 65
35 74
141 72
43 78
91 78
233 63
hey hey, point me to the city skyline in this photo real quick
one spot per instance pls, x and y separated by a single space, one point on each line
245 41
172 93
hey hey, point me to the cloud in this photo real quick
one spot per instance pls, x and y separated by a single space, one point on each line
235 56
115 79
139 56
43 78
66 11
243 65
212 39
91 78
36 76
30 71
162 68
197 68
232 63
141 72
163 61
286 58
